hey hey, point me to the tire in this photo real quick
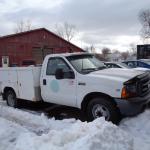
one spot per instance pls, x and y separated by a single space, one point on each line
101 107
11 99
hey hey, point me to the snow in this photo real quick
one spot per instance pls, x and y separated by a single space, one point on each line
138 128
21 130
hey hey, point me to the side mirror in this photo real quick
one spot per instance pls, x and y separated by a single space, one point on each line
69 75
59 74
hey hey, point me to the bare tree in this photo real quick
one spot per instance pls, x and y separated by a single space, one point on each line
115 51
105 52
28 25
125 55
90 49
132 49
99 56
144 17
59 30
65 30
23 26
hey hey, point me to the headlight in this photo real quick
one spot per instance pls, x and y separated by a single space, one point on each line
128 91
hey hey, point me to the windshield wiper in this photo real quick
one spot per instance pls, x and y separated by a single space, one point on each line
88 70
102 67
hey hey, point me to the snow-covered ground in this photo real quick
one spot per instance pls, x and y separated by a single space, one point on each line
21 130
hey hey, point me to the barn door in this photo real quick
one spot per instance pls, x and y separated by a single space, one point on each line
39 54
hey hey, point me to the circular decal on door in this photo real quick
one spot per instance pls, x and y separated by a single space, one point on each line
54 86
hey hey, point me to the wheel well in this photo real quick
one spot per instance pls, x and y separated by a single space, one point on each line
6 89
90 96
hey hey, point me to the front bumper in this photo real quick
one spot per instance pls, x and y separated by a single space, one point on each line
132 106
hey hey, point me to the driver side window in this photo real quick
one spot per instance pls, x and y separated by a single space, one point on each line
56 63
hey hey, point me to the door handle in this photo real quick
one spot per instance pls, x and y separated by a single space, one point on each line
44 81
82 83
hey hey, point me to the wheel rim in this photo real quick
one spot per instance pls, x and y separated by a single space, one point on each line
99 110
11 100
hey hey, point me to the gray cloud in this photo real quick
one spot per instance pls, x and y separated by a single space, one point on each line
112 16
100 21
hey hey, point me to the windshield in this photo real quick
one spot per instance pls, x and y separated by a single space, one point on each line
85 63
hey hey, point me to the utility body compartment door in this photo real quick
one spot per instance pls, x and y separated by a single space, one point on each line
25 81
25 84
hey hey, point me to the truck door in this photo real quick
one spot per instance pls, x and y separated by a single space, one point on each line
61 91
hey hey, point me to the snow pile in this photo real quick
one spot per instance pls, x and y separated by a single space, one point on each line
138 128
33 122
9 132
22 131
85 136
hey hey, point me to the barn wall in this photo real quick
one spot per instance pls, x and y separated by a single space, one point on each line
33 46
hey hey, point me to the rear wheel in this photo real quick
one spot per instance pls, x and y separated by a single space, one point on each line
11 99
101 107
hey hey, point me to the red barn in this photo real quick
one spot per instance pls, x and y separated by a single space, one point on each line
32 46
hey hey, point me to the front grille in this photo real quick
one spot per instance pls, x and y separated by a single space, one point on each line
143 84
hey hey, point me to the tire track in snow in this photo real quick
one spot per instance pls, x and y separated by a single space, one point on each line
30 121
35 122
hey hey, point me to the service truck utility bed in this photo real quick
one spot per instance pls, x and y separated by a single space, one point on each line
24 80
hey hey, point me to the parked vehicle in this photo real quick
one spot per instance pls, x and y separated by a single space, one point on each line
137 63
116 65
78 80
123 66
145 60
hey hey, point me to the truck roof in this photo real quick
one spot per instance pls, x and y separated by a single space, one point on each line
67 54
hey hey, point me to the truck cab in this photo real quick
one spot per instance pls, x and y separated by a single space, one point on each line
82 81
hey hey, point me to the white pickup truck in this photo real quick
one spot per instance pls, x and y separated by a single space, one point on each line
78 80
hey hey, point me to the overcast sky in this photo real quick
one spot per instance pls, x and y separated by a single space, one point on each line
102 23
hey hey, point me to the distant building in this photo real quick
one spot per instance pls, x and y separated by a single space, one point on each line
30 47
143 51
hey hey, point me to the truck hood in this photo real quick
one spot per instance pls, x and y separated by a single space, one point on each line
117 73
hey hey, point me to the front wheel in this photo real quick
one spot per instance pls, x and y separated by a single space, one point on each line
11 99
101 107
